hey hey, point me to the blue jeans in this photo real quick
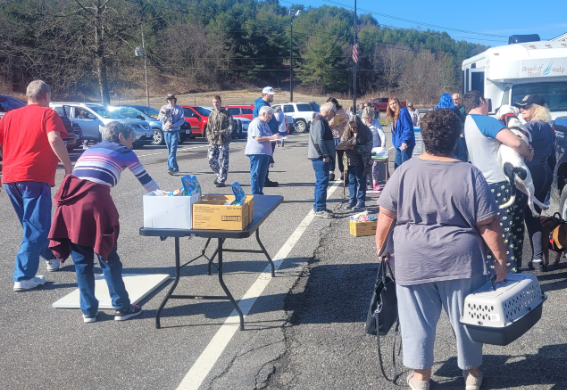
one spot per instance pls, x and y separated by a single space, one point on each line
321 183
83 257
32 203
357 185
258 170
171 140
402 156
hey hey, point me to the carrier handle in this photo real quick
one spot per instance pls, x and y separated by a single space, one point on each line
493 281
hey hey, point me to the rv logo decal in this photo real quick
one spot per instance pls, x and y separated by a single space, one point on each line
538 69
548 69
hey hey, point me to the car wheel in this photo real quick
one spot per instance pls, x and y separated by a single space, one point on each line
300 126
70 149
182 138
158 137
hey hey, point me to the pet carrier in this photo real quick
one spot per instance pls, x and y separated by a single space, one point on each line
500 313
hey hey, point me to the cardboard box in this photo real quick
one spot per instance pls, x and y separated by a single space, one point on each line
169 212
359 229
211 213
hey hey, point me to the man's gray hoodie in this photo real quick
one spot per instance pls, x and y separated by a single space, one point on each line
321 141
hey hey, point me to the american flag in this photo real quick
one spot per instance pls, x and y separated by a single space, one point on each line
355 49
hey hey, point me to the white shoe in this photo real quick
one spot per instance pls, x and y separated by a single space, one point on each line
89 319
25 285
53 265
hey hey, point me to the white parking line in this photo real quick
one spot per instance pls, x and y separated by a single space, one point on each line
204 364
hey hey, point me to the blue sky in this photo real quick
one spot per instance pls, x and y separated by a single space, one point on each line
499 19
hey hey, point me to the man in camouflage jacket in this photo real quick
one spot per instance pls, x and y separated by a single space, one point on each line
219 130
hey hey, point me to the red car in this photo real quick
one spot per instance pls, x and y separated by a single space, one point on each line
240 111
198 117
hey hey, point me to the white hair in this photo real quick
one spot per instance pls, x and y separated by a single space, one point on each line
267 110
111 132
368 112
326 107
37 89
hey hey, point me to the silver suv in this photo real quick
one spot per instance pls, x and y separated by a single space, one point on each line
91 117
302 113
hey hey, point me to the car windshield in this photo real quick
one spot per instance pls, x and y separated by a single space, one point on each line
149 111
203 111
554 93
106 113
8 104
304 107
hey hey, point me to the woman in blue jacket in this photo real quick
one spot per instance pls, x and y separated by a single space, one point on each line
403 138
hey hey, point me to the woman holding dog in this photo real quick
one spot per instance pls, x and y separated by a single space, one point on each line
537 116
440 239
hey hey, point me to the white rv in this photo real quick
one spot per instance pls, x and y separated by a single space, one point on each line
506 74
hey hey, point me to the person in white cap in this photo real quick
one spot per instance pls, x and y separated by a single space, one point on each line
172 117
265 100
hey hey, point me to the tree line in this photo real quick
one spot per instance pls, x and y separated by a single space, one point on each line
86 47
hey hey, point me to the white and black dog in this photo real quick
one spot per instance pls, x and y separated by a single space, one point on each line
513 164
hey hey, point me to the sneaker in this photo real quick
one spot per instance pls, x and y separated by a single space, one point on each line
351 204
216 181
53 265
332 176
219 184
472 382
324 214
537 265
415 384
270 183
88 319
170 171
25 285
133 311
359 208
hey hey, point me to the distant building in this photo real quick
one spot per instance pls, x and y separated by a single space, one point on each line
561 38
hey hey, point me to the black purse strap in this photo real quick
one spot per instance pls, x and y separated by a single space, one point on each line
395 374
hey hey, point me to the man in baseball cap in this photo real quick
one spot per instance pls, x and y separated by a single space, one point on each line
530 100
172 117
265 100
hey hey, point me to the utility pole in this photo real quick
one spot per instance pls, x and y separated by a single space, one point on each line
146 70
293 15
355 42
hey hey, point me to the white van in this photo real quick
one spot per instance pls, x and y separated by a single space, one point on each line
506 74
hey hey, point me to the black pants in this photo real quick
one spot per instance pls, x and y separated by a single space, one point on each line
271 161
542 178
338 159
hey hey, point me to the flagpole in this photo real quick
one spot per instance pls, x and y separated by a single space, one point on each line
354 62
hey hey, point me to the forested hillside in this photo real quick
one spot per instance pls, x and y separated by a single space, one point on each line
86 47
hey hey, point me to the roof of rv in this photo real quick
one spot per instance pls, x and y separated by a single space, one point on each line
524 51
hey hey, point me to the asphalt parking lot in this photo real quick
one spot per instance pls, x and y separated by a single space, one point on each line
304 331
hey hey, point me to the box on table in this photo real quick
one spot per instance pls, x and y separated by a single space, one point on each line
211 213
169 212
359 229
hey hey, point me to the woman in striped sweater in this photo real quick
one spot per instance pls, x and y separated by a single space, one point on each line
86 219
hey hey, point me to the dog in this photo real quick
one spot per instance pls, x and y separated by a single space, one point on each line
513 164
554 239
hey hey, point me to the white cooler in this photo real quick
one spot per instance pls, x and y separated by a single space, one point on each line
500 316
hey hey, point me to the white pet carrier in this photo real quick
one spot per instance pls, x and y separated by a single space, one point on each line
499 314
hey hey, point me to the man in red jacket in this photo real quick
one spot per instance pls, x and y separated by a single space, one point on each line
31 139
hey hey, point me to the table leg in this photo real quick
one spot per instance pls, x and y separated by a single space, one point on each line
265 252
173 286
226 291
211 260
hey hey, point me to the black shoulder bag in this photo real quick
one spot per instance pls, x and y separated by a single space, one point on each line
383 311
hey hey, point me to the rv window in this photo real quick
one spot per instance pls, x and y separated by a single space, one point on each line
553 93
464 88
477 82
506 96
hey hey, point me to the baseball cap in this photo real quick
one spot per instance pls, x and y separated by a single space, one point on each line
268 90
529 100
170 96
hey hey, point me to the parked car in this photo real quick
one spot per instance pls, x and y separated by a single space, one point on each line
74 137
558 189
302 114
131 112
9 103
92 117
240 111
379 104
198 117
152 113
241 127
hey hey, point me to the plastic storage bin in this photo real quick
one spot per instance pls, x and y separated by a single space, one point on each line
500 316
